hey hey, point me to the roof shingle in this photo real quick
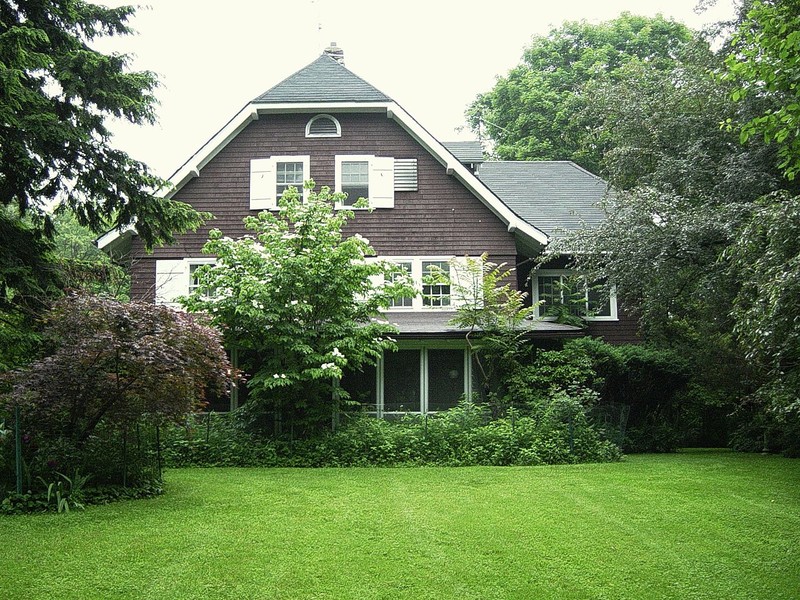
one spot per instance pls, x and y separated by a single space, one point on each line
324 80
554 196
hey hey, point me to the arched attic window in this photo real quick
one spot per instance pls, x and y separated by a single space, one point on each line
323 126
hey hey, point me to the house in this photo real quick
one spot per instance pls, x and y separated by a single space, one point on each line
432 202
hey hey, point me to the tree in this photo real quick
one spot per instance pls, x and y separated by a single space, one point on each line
765 259
300 300
56 155
765 64
495 317
57 93
111 364
534 113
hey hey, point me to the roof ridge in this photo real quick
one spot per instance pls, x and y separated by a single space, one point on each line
312 82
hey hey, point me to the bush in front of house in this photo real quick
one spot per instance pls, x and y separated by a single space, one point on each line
559 433
89 410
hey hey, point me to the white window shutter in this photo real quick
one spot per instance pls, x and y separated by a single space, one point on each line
465 285
262 184
381 182
172 281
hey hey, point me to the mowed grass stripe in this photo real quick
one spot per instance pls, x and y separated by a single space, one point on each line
690 525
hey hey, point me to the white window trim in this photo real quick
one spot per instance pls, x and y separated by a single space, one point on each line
534 282
423 347
267 167
324 135
175 276
417 303
342 158
381 192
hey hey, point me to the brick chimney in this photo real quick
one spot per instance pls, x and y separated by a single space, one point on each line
335 53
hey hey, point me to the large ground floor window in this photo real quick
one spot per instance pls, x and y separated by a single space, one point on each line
417 378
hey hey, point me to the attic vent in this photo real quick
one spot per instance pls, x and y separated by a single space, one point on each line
405 174
323 126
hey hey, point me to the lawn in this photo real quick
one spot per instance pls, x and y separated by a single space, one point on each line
692 525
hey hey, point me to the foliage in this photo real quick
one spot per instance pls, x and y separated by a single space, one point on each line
535 112
109 365
82 265
659 127
765 63
38 502
302 298
57 94
465 435
636 392
216 440
495 317
765 260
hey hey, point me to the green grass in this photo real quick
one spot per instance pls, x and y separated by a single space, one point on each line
691 525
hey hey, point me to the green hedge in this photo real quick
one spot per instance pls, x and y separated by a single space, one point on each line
462 436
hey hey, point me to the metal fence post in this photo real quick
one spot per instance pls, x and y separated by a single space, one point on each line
18 447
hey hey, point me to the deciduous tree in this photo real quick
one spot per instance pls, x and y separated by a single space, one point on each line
300 299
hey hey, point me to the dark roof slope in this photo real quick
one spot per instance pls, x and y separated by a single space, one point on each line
415 324
324 80
466 152
554 196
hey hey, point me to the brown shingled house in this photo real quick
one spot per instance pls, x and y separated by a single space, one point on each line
432 202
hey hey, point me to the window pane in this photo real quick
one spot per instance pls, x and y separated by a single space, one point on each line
445 378
549 290
401 381
599 302
289 174
435 292
355 180
361 387
403 301
557 290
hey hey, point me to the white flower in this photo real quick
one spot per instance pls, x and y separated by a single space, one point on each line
326 366
337 353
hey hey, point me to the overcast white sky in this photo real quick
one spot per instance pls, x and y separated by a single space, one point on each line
433 57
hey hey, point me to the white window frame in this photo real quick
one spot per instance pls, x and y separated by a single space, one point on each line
423 348
417 302
324 135
174 279
381 179
540 310
264 184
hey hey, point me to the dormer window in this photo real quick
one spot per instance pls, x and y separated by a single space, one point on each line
323 126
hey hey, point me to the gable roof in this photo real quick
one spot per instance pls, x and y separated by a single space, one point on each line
557 196
325 85
466 152
324 80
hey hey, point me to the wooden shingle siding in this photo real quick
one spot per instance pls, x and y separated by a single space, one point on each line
440 218
623 331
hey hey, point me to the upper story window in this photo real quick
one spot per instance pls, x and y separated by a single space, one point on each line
355 180
404 301
270 178
435 283
323 126
288 174
442 282
564 288
365 176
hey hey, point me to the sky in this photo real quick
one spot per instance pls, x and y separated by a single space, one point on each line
433 57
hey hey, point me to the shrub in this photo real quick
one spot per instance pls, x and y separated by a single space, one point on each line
112 372
464 435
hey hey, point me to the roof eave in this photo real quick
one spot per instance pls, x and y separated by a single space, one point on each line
455 168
